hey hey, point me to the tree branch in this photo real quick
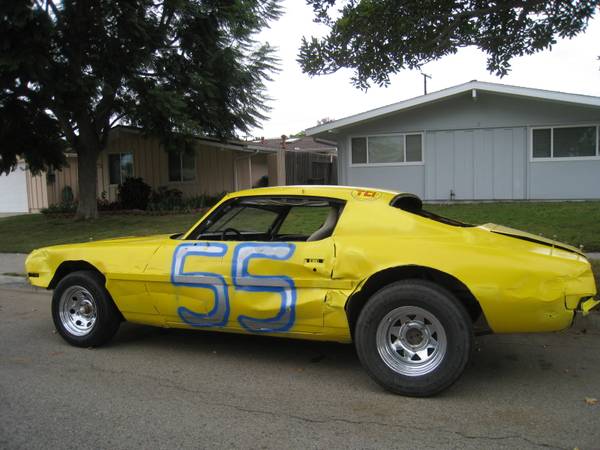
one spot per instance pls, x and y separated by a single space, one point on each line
65 124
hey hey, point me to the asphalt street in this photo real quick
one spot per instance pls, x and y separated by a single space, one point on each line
155 388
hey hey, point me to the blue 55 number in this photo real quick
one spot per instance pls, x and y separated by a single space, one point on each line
219 314
242 280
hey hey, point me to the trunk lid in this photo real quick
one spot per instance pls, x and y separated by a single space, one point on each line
518 234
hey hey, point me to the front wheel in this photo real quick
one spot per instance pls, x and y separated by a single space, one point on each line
83 311
414 338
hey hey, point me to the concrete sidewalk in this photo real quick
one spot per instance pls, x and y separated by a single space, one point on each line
12 263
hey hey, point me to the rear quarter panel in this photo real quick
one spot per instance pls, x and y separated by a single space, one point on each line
521 286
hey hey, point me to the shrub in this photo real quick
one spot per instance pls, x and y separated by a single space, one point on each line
60 208
262 182
134 193
66 195
165 199
106 205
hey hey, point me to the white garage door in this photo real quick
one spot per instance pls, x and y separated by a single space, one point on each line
478 164
13 191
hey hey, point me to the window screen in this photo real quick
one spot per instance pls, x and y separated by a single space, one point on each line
542 141
386 149
359 150
414 151
574 142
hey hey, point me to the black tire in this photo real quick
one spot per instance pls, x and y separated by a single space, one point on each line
92 319
387 357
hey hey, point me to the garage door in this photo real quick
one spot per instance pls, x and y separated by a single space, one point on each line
13 191
478 164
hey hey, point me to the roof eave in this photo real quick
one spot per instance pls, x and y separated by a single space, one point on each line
494 88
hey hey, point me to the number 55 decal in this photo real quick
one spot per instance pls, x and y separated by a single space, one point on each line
242 280
219 315
280 284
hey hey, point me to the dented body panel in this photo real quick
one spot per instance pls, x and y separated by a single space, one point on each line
523 283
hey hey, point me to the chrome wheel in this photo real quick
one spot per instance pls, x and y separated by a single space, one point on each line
411 341
77 310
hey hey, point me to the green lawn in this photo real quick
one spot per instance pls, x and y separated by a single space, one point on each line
571 222
21 234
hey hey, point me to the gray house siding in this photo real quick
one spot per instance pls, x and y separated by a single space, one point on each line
476 164
477 149
564 180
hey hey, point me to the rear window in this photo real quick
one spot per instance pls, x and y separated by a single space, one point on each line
413 204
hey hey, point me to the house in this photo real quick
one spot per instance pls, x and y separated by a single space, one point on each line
213 168
474 141
19 191
307 160
298 144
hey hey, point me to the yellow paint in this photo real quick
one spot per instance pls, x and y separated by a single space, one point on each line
522 286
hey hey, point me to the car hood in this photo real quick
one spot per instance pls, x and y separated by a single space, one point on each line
120 241
518 234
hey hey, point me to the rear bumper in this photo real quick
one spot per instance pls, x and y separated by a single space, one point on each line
583 320
588 305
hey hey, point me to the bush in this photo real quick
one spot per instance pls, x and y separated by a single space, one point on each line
134 193
66 195
60 208
106 205
166 199
262 182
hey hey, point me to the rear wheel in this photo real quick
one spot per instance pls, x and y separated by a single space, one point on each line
414 338
83 311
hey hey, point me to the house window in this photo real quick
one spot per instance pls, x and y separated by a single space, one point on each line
182 166
565 142
120 167
389 149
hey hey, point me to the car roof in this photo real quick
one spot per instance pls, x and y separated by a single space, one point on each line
340 192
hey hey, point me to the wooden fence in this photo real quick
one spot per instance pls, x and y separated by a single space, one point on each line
310 168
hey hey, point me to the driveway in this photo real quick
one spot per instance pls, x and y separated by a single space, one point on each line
155 388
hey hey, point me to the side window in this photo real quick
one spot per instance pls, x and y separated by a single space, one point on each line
303 221
245 219
182 166
271 218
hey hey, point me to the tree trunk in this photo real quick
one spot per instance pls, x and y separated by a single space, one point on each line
87 181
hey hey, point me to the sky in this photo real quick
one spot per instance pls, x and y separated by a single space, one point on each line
299 100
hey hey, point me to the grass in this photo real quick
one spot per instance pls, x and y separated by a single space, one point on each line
575 223
21 234
572 222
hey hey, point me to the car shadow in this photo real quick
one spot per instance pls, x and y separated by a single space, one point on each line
267 348
493 364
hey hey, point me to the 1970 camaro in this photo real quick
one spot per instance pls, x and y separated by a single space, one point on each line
326 263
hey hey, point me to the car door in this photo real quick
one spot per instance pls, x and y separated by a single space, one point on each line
249 269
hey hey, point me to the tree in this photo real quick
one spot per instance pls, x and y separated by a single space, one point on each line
324 120
379 38
72 69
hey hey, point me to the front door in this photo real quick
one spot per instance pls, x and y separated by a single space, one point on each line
275 285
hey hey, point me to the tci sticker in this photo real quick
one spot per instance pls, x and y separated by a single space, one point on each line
363 194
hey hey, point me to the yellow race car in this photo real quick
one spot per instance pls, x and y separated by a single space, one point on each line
325 263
